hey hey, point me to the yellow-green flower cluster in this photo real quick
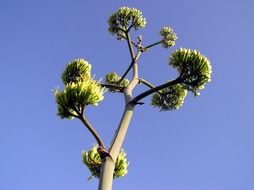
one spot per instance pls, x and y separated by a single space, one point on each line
93 161
168 37
80 90
113 78
76 70
121 165
124 19
170 98
194 68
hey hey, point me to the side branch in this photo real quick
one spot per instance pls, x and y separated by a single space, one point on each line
128 37
92 130
133 43
145 82
155 89
130 66
151 45
114 86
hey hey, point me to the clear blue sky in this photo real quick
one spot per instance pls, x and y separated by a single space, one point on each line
206 145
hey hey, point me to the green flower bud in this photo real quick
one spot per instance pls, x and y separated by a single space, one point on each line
93 162
76 96
76 70
169 98
113 78
64 111
168 37
194 68
123 19
121 165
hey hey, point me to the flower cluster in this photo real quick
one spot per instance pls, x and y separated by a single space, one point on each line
93 161
169 98
113 78
194 68
168 37
80 89
76 70
124 19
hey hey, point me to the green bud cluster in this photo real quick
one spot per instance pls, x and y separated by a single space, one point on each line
80 89
169 98
76 70
93 161
168 37
123 19
113 78
194 68
121 165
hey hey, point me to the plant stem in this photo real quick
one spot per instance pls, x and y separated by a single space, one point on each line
114 86
145 82
92 130
133 43
128 37
157 88
106 178
151 45
121 131
106 175
130 66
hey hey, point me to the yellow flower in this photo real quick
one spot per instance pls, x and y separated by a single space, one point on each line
194 68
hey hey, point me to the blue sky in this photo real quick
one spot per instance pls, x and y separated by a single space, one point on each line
206 145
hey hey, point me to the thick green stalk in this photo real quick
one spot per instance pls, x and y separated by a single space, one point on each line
108 167
122 130
106 178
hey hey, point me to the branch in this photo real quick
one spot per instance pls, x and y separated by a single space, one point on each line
130 66
92 130
128 30
114 86
133 43
151 91
151 45
145 82
128 37
134 80
121 29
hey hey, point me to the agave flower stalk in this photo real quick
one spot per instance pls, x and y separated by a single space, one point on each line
82 90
